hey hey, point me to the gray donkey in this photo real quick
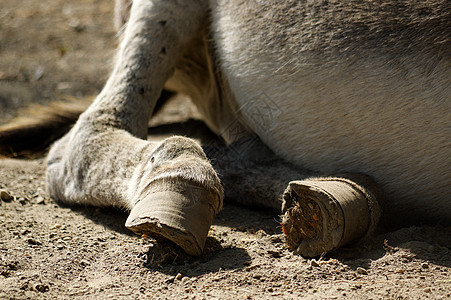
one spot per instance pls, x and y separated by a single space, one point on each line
336 112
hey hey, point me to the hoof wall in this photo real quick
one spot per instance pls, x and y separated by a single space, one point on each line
323 214
172 215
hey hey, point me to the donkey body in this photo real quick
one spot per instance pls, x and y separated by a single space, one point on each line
356 87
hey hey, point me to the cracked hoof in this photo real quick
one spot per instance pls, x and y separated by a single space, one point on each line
183 217
323 214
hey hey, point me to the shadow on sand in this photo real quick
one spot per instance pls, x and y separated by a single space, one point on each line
424 241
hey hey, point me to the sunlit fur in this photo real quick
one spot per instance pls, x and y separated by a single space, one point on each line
331 86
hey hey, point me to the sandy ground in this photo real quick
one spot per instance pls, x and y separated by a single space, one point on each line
53 49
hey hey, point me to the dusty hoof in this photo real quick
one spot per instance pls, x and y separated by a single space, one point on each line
323 214
183 217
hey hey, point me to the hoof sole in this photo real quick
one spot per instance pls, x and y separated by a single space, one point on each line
324 214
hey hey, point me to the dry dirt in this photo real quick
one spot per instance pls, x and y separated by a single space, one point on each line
49 49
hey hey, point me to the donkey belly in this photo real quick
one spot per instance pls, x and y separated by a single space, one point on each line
400 140
339 124
383 115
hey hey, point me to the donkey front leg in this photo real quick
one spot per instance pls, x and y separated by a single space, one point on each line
169 186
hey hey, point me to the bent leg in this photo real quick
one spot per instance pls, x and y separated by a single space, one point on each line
252 174
104 159
319 213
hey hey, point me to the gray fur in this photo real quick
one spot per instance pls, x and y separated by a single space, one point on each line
329 86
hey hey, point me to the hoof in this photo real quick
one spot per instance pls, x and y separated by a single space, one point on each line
183 217
323 214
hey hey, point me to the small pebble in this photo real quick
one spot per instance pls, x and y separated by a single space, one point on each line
425 266
13 266
314 263
77 26
5 273
34 242
362 271
185 279
178 276
5 196
84 262
41 288
275 254
39 200
23 200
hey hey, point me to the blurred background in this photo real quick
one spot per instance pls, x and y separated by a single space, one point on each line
52 50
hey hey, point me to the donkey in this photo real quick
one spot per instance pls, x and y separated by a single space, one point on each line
336 112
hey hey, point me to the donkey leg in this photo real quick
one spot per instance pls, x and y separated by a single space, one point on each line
104 159
319 213
252 174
